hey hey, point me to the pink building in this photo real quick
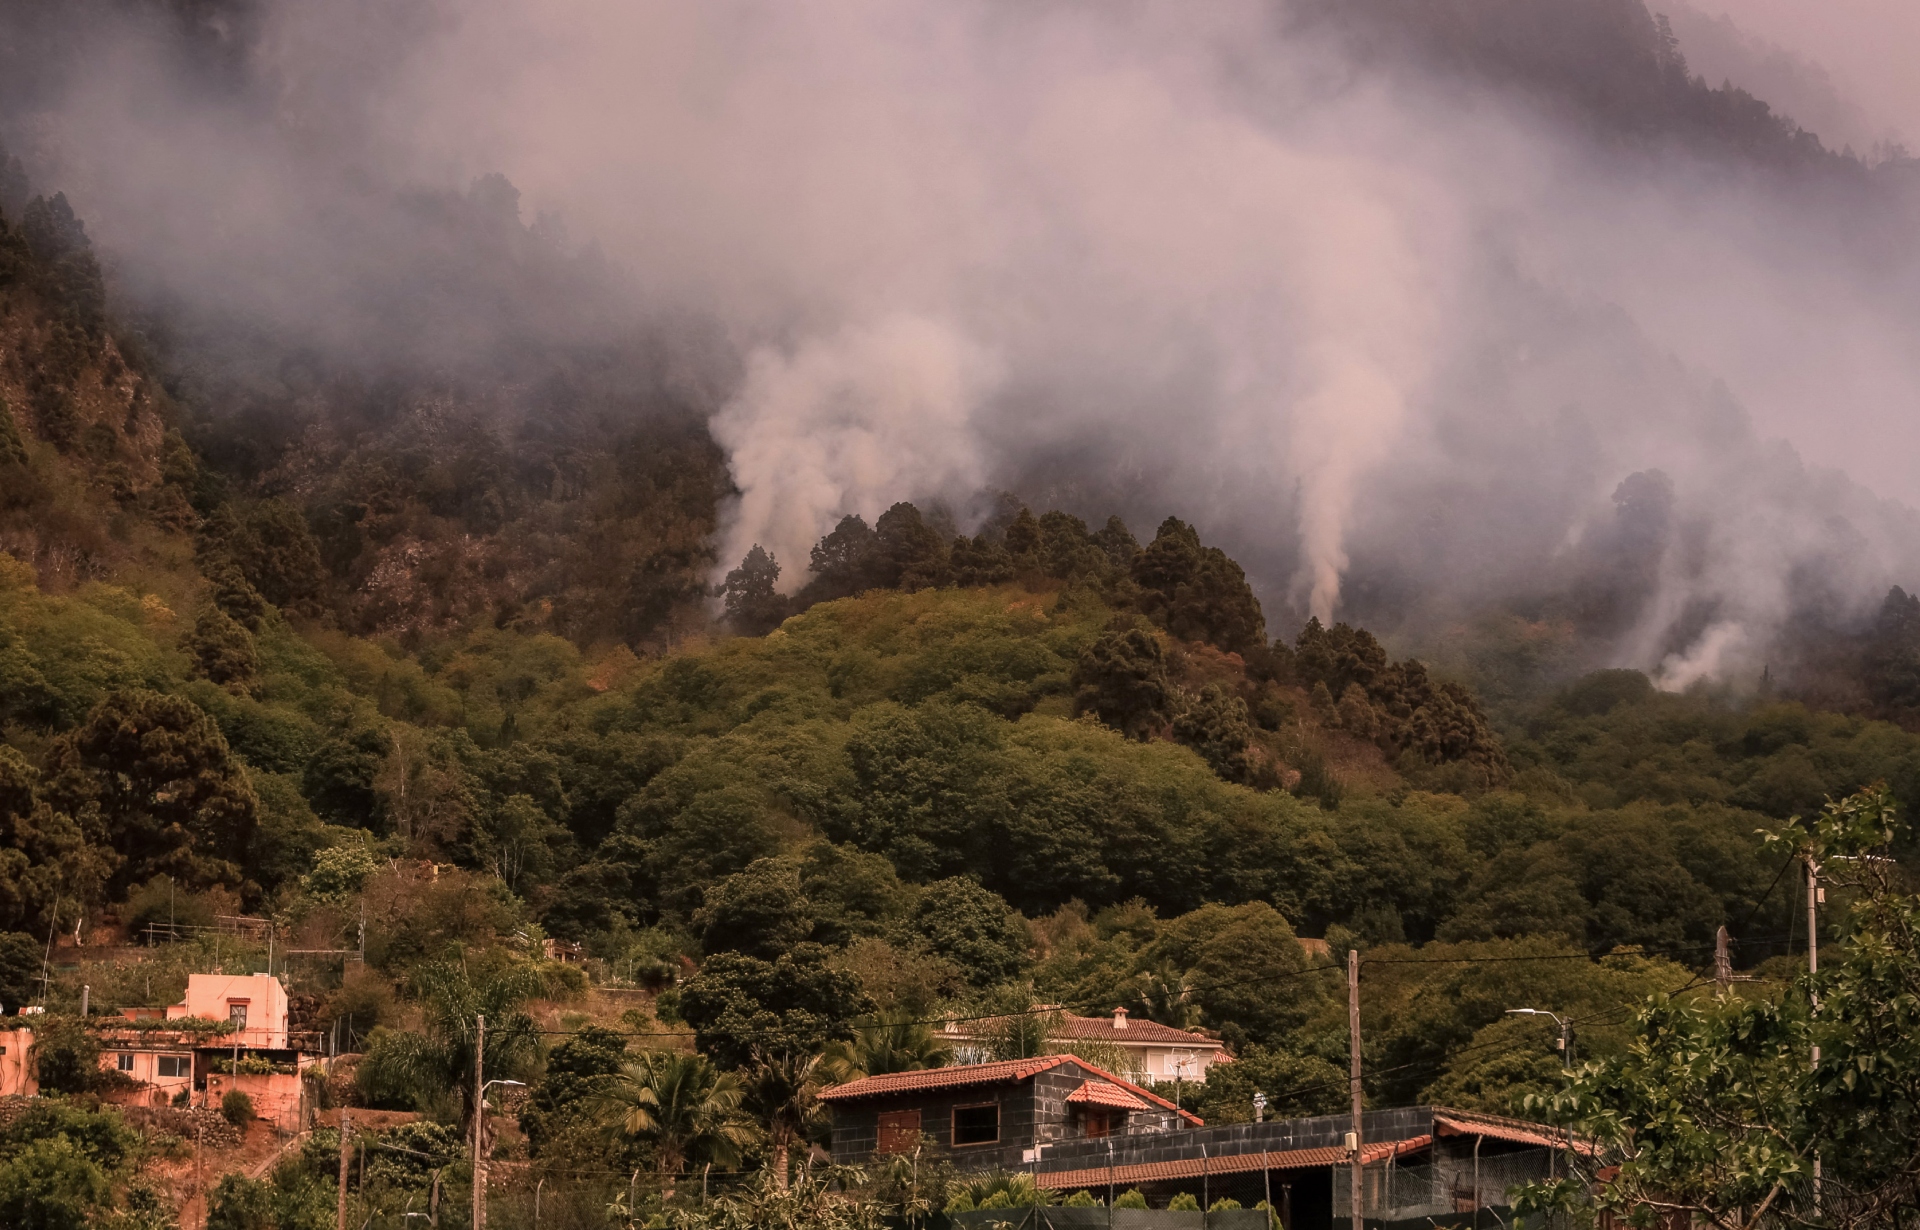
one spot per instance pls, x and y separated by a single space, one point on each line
160 1061
16 1063
254 1058
256 1004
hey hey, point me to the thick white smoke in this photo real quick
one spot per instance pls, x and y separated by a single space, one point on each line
1077 198
846 423
1158 257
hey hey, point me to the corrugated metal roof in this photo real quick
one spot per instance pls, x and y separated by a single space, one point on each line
1240 1163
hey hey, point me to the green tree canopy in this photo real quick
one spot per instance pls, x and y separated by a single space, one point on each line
974 928
578 1071
754 607
740 1005
153 775
1122 680
1196 592
1713 1110
759 911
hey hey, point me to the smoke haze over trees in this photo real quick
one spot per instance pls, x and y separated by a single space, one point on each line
861 515
1397 307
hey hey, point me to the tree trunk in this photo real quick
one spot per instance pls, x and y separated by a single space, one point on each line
670 1160
780 1142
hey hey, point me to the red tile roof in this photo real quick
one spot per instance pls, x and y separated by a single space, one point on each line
1506 1129
943 1078
1100 1029
1100 1093
1005 1072
1241 1163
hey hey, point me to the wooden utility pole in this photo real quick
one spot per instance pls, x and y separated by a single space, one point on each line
1353 1045
479 1124
1813 968
346 1153
1722 962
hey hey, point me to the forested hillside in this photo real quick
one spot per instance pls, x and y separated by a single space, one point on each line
429 661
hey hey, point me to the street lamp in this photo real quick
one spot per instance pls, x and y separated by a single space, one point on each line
1565 1042
479 1147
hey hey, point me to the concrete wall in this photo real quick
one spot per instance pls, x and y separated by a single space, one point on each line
213 995
146 1069
16 1064
276 1095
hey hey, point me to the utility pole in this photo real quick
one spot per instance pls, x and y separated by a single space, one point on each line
1722 962
1353 1045
1813 967
346 1153
479 1124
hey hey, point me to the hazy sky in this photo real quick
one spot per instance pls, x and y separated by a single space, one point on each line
1870 48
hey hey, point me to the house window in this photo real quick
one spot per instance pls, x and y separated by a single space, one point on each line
899 1131
124 1061
1100 1124
976 1125
174 1065
237 1013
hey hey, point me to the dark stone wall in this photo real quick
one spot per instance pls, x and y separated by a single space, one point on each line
856 1126
1033 1112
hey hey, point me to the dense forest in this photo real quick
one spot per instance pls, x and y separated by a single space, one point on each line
1035 764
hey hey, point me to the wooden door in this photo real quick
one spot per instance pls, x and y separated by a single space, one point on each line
899 1131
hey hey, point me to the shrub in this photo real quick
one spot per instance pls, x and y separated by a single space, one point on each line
240 1203
1131 1199
1082 1199
67 1056
1225 1204
237 1108
1183 1203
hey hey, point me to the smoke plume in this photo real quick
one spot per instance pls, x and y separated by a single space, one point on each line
1394 336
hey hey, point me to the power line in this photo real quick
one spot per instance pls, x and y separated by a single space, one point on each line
1429 1065
1205 988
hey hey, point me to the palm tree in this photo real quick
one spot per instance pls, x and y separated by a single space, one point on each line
684 1106
438 1058
890 1044
782 1092
1026 1031
1166 995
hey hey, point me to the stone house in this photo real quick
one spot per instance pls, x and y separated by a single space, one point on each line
989 1116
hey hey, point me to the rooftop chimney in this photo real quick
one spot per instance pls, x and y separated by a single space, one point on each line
1119 1018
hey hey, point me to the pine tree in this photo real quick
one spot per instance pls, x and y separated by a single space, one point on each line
754 607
